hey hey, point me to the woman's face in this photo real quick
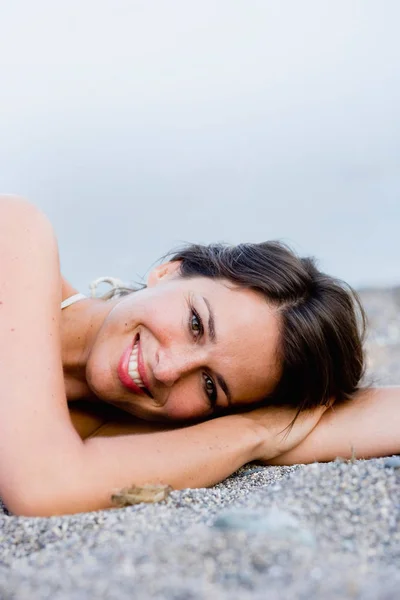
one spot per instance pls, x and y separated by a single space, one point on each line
184 348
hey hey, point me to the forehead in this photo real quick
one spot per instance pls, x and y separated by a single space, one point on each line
247 331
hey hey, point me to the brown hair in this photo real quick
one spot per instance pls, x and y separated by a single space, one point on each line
323 322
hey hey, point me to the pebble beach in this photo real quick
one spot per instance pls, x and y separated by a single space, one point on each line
309 531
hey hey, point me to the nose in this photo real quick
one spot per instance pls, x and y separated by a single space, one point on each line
172 365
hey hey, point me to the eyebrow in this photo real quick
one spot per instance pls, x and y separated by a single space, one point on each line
213 338
211 321
224 386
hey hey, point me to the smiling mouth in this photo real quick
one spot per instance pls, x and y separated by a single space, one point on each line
131 370
133 366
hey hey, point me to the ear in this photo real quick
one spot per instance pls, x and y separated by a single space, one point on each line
164 271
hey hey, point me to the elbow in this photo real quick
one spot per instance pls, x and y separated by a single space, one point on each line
26 505
28 499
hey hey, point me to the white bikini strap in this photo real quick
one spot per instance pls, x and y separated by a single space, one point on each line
72 300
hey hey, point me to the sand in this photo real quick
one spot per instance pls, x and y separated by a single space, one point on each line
312 531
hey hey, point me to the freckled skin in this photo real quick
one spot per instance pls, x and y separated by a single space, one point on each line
244 354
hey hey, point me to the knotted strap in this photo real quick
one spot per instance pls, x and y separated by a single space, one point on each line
72 300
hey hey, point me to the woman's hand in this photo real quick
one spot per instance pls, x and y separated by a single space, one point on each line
366 426
279 436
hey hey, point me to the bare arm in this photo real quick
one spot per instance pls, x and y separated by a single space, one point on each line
196 456
36 436
365 427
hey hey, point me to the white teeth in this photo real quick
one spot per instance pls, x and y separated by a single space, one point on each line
133 368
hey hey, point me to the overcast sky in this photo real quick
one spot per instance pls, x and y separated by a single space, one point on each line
139 125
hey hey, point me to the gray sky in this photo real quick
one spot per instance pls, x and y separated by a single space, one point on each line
139 125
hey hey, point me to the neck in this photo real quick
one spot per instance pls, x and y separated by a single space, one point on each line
80 325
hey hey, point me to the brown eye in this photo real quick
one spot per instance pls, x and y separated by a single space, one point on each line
195 324
210 389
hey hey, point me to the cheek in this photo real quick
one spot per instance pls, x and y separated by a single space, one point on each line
185 402
164 320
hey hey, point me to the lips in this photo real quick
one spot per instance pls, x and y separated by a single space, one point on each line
124 368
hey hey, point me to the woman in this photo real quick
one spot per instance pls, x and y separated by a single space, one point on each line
251 335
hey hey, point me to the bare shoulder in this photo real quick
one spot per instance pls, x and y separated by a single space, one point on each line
10 203
26 239
18 213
